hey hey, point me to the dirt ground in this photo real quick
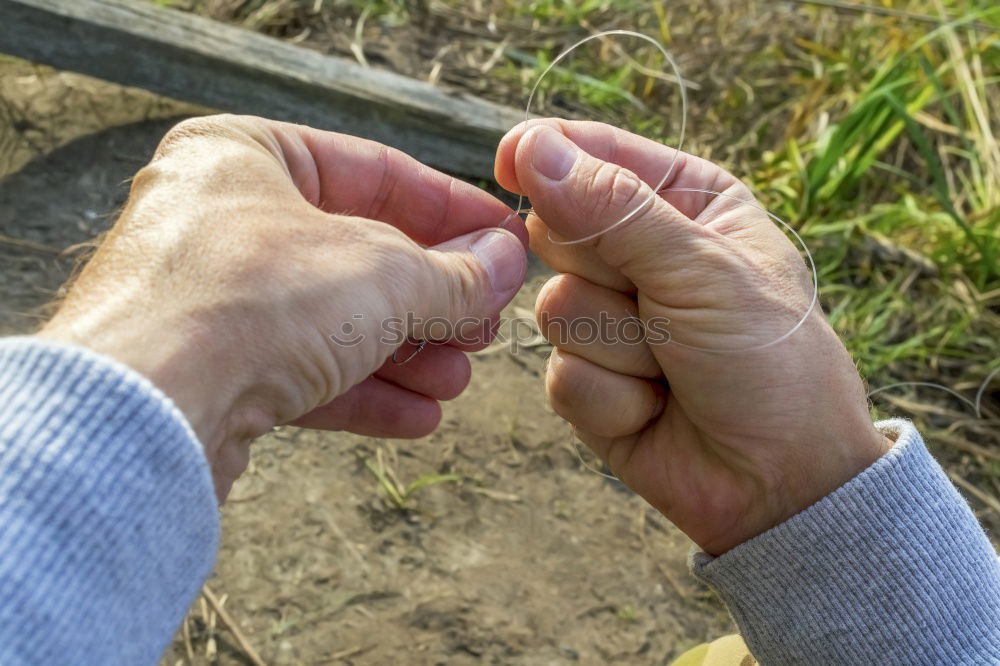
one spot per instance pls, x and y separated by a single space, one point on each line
529 558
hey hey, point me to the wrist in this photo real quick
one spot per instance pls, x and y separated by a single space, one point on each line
181 361
829 442
802 481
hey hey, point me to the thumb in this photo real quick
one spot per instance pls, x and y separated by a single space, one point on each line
731 274
578 196
472 277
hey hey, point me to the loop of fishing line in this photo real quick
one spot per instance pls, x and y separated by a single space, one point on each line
812 267
976 405
661 185
638 104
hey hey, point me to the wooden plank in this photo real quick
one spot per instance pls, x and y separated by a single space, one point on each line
198 60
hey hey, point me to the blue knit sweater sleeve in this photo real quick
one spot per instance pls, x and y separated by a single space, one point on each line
108 518
891 568
108 527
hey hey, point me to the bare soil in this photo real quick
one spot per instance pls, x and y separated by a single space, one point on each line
530 558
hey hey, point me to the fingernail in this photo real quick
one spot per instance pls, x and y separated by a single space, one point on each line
503 257
553 155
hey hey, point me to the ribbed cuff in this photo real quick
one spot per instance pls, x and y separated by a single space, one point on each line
108 518
891 568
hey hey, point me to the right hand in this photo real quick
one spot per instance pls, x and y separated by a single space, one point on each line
725 445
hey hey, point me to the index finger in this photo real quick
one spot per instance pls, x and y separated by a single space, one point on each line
644 157
339 173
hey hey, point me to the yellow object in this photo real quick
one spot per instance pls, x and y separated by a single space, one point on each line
727 651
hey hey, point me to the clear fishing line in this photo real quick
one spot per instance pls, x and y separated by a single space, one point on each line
680 136
812 267
661 185
976 405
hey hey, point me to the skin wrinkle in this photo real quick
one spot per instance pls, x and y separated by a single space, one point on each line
386 183
701 273
279 149
312 189
445 211
325 385
625 186
438 192
721 182
578 260
659 220
468 289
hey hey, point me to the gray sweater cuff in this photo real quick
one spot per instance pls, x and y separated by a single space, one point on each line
108 518
891 568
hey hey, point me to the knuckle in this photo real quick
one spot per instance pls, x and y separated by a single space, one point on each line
558 390
551 297
193 130
565 386
611 189
466 288
184 131
387 254
731 186
554 307
144 179
387 179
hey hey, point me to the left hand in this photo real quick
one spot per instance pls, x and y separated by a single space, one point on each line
246 244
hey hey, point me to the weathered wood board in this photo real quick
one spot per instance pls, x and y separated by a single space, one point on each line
202 61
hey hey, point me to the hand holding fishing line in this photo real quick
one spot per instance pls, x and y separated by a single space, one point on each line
665 183
725 445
